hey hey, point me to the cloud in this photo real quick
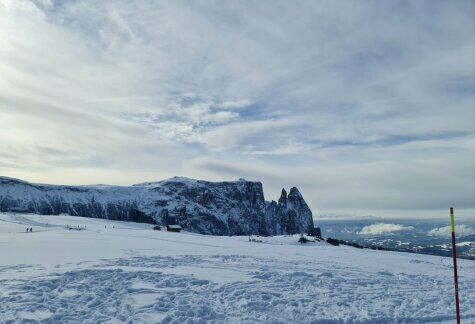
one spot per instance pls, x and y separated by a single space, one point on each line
460 230
364 106
186 118
383 228
234 104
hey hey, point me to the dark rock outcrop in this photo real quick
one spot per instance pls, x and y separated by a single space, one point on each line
218 208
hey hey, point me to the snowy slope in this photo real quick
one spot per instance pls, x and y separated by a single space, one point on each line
113 271
218 208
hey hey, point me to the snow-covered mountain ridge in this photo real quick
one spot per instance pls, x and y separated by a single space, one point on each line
219 208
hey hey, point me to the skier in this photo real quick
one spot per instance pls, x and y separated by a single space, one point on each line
31 229
27 229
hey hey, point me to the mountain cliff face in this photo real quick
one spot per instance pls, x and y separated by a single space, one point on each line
218 208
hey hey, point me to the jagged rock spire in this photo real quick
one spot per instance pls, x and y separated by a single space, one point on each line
283 196
294 192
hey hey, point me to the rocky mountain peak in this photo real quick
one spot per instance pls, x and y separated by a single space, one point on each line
295 193
218 208
283 196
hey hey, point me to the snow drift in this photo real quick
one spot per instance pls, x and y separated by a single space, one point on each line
218 208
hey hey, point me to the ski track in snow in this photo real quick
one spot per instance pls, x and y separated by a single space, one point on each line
276 291
220 285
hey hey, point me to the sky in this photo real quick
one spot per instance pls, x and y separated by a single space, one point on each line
368 107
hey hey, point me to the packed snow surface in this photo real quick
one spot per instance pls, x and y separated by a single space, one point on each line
73 269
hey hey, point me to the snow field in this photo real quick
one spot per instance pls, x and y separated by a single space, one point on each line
125 272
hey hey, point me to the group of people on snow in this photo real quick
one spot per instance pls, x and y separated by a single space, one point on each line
29 229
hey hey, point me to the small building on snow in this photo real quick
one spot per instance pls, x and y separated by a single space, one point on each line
174 228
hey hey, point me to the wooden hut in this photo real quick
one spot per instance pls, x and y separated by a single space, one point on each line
174 228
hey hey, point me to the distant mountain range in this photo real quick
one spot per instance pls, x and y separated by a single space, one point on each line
218 208
426 236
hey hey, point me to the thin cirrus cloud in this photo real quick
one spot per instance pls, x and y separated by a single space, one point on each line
364 106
